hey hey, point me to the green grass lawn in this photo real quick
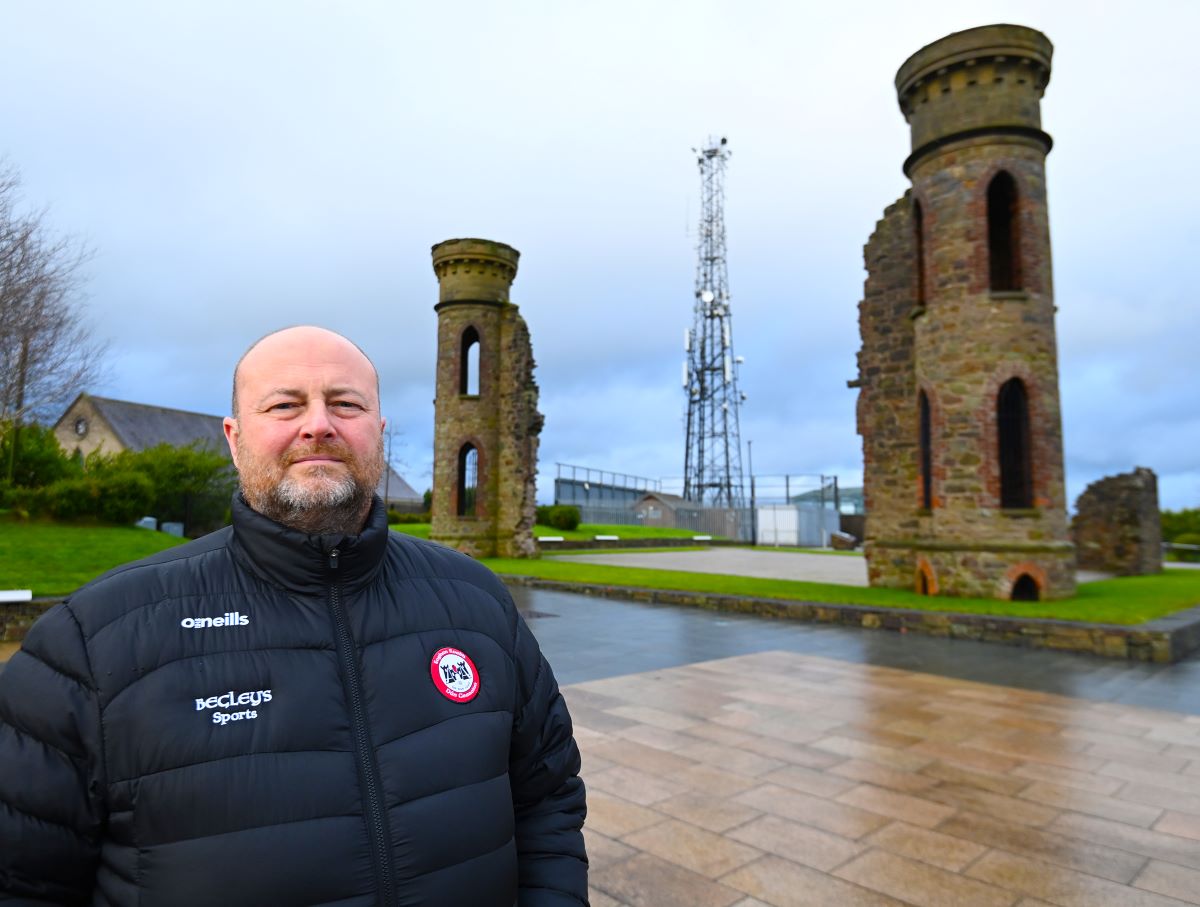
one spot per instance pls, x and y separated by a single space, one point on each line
585 532
1128 600
54 559
420 530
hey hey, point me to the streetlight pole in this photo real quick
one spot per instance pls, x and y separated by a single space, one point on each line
753 507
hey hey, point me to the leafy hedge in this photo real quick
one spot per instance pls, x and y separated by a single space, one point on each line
559 516
115 497
1187 538
190 485
395 517
1178 522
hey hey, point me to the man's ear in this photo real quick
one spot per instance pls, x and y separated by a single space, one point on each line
382 424
231 436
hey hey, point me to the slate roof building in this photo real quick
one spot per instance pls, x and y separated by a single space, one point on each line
100 423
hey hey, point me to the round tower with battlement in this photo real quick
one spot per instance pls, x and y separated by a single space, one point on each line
486 422
959 404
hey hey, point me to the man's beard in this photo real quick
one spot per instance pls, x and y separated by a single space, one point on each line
325 500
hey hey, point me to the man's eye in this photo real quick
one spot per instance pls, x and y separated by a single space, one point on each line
282 405
346 403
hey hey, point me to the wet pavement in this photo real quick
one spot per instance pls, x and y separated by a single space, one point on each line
739 761
592 638
788 779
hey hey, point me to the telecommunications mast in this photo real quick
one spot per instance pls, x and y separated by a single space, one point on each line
712 466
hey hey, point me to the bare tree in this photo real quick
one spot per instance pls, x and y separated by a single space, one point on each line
48 352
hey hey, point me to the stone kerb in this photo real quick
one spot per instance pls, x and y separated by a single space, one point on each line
1163 641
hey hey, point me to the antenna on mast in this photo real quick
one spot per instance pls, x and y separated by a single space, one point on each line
713 459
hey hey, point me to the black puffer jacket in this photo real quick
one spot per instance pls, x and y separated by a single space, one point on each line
265 718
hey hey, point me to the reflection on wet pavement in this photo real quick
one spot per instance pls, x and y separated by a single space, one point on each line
783 779
593 638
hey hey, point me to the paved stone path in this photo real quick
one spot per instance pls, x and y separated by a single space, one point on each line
738 761
845 570
787 779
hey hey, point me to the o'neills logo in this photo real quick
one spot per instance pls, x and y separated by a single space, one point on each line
231 619
232 700
454 674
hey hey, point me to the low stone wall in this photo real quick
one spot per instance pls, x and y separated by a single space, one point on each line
1117 526
17 617
1166 640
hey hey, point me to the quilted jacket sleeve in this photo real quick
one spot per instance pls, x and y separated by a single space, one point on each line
548 794
50 773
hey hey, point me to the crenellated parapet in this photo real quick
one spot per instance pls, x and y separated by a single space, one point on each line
474 270
985 81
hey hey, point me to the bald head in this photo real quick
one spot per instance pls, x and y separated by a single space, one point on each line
307 435
302 343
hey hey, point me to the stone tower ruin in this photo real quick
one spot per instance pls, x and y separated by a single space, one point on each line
958 405
486 422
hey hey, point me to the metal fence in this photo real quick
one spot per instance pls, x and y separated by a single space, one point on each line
587 487
730 523
791 509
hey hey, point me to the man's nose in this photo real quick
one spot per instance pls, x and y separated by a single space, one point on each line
317 422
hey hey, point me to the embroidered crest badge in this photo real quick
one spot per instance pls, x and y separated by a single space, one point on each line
454 674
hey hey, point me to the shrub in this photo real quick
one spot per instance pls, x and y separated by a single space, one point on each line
1177 522
115 497
67 499
190 485
39 460
395 517
20 502
559 516
1187 538
123 497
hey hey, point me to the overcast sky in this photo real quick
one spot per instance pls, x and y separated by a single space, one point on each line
240 166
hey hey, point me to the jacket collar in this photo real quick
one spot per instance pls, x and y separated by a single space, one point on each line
302 563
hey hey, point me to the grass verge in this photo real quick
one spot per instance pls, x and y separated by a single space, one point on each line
585 532
56 559
1128 600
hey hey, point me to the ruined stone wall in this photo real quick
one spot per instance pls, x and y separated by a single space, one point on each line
972 102
520 424
501 420
887 396
1118 527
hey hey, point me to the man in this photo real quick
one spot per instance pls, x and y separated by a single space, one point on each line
302 708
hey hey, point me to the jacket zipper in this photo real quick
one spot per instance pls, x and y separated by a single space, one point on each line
368 768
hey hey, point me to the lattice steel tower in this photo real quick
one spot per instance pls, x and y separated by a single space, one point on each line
712 466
